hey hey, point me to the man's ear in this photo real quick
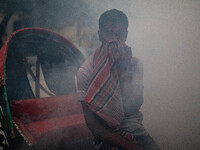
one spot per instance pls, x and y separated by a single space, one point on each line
126 34
100 36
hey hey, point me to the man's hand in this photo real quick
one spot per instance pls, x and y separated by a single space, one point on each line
105 133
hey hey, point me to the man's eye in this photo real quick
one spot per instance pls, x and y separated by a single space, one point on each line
119 33
107 33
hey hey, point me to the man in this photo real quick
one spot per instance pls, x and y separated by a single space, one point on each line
110 88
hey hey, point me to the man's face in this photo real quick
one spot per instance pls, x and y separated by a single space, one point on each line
112 31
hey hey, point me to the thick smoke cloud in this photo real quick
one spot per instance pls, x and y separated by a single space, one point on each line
165 36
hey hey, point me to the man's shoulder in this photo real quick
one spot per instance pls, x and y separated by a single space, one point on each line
138 69
87 66
88 62
137 62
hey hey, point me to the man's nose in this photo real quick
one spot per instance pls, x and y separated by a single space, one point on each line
115 36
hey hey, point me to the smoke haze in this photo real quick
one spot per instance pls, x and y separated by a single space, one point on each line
165 36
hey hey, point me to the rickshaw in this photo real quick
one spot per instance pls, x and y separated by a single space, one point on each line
39 108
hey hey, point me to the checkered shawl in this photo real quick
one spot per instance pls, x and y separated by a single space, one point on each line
104 93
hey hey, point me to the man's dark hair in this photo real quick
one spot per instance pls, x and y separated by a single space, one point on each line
113 16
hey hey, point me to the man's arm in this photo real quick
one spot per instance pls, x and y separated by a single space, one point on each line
96 127
133 91
105 133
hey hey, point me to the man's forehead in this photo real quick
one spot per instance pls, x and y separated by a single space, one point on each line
108 25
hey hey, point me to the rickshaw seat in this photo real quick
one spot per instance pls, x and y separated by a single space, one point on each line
49 120
31 110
